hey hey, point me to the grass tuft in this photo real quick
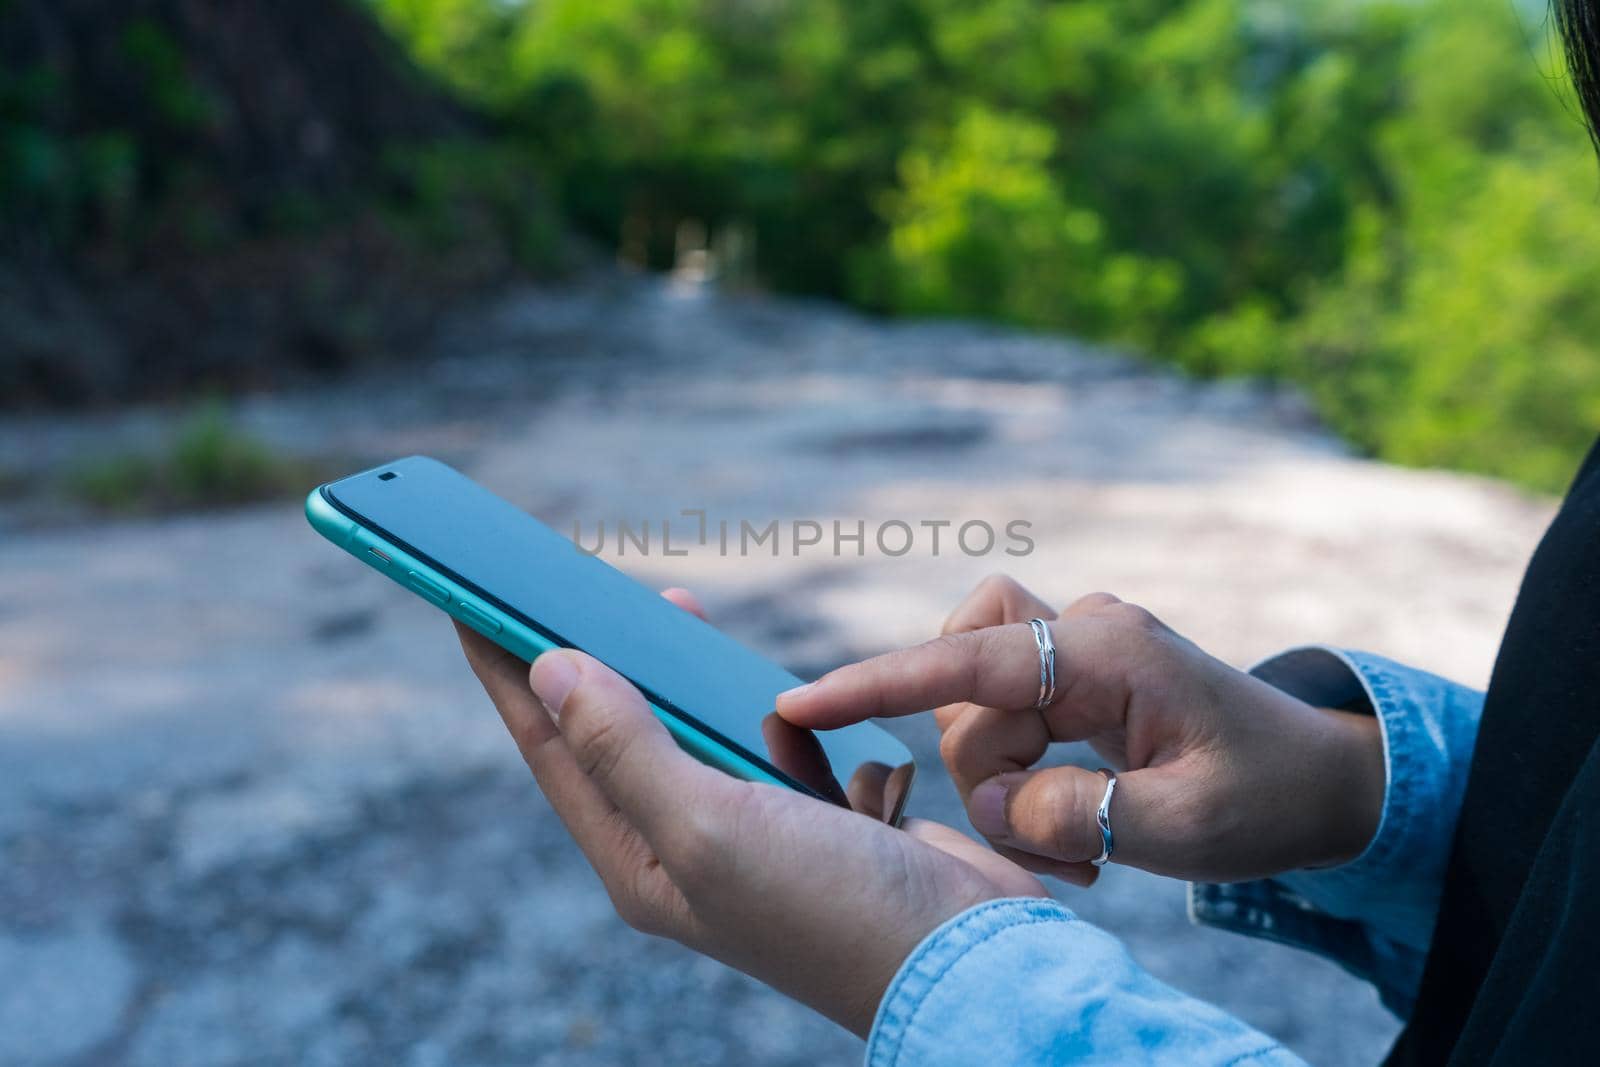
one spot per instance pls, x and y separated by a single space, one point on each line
210 463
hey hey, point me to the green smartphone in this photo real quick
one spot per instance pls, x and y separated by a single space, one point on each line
525 587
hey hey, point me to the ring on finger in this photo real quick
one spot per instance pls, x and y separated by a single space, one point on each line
1047 663
1102 818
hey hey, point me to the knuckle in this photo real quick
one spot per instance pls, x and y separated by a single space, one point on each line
983 651
1132 616
1094 601
962 649
975 653
951 743
1060 816
999 584
599 742
949 715
961 750
1133 622
980 644
954 645
1078 833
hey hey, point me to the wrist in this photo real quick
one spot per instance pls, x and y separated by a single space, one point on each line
1356 783
844 969
877 978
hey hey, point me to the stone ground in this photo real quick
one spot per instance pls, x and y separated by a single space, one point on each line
253 809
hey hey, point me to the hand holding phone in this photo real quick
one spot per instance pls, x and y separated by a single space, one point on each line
821 904
817 902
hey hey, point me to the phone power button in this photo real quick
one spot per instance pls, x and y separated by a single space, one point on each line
430 589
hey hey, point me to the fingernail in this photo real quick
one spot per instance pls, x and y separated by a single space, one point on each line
553 677
988 808
797 690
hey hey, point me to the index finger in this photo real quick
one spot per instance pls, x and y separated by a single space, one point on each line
997 600
996 667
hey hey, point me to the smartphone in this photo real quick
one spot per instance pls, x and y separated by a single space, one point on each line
529 589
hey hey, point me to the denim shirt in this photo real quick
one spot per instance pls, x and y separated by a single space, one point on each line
1024 981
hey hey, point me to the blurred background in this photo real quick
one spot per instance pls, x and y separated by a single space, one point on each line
1276 316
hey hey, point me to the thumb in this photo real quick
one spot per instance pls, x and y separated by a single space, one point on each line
617 741
1051 813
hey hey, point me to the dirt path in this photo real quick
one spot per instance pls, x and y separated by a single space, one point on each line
253 810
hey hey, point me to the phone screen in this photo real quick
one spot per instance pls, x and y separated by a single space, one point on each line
686 667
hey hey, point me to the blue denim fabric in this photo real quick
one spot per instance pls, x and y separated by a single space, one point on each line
1026 982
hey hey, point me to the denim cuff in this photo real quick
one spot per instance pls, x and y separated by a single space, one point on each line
937 955
1375 914
1024 981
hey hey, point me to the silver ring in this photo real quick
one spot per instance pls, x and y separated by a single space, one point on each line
1047 663
1102 818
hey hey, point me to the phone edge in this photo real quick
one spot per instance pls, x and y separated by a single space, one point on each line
513 636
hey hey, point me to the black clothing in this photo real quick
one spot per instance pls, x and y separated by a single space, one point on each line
1514 968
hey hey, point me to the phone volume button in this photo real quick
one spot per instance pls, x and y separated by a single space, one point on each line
428 588
478 619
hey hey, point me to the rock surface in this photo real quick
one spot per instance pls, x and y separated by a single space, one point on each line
254 810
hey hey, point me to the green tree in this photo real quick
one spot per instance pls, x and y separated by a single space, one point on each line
1386 200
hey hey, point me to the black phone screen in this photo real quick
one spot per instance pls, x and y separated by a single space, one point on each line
683 665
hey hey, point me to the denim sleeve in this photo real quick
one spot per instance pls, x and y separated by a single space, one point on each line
1375 914
1025 981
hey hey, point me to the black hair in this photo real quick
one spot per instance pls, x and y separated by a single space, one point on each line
1579 22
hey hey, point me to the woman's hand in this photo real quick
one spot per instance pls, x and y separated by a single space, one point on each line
1222 776
819 902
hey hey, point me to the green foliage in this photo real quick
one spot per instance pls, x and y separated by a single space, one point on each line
1383 199
57 184
1461 329
64 181
210 463
122 138
176 101
447 194
976 218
